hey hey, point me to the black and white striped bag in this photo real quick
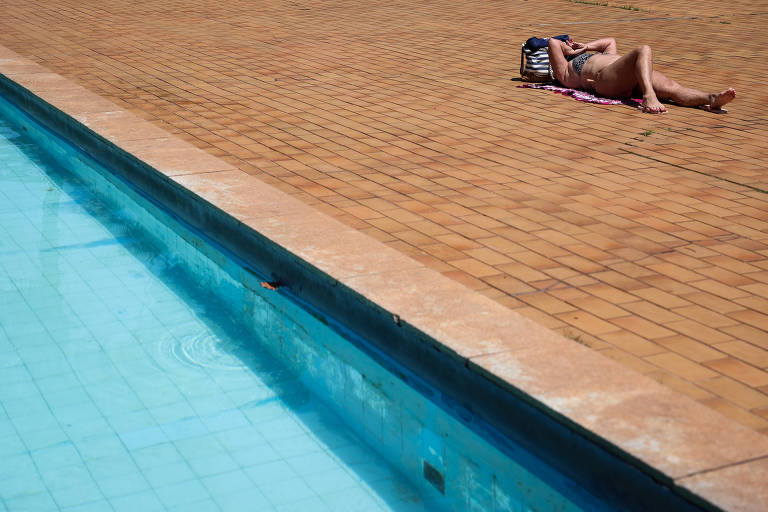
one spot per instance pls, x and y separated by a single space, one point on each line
534 65
534 59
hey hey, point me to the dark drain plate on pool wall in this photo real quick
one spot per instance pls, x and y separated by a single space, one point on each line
434 477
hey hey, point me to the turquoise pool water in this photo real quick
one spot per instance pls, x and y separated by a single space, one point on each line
127 387
141 369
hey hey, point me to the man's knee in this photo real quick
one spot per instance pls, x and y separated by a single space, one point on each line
644 49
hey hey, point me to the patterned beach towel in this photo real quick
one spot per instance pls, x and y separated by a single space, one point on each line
582 95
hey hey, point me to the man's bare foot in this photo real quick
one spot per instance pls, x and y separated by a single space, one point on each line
716 101
653 106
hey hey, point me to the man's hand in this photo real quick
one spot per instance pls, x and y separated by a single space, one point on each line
573 48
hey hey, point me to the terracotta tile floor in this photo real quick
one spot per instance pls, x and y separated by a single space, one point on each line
644 237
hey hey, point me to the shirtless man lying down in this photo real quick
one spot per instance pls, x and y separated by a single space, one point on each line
615 76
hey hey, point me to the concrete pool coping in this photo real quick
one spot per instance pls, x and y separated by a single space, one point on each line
667 435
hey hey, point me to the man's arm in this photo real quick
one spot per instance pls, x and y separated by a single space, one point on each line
604 45
558 51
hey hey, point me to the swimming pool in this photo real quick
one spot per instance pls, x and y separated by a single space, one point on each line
142 369
127 385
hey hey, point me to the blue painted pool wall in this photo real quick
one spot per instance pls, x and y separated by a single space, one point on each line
510 418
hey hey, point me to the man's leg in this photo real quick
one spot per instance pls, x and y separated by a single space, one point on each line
634 69
668 89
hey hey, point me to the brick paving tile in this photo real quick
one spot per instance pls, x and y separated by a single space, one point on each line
740 371
704 315
691 349
548 321
681 366
643 327
547 303
727 408
720 289
753 318
587 322
636 363
745 352
652 312
754 303
681 385
601 308
644 237
713 302
735 392
610 294
699 331
632 343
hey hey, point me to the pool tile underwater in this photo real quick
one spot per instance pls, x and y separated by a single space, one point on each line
144 500
38 501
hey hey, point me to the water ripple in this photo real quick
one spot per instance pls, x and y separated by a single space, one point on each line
202 350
